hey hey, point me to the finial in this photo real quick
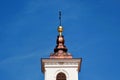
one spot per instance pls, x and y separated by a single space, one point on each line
60 17
60 28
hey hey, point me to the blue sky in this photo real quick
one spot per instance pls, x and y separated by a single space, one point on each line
28 33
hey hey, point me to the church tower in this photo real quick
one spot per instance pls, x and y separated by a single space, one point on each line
61 65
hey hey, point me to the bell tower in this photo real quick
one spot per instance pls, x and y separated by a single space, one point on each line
61 65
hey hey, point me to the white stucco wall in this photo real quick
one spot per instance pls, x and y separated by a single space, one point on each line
69 69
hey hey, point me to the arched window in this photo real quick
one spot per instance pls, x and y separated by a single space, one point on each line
61 76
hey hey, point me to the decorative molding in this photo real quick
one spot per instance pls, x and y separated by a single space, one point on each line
61 67
61 63
61 70
55 63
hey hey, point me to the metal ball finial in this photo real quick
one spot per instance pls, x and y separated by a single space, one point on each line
60 30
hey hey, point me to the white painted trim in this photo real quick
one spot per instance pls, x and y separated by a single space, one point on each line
63 71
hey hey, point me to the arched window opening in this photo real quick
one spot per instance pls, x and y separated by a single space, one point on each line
61 76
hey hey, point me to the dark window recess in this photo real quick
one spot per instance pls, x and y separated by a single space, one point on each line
61 76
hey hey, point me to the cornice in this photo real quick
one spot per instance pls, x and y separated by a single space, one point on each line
60 63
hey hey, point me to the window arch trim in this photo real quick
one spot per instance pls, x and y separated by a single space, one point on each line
62 70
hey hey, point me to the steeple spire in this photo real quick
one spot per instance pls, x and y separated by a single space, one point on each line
60 17
60 50
60 28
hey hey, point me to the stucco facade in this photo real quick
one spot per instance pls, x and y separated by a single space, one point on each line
70 67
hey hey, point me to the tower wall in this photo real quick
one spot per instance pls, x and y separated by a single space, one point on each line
69 67
71 71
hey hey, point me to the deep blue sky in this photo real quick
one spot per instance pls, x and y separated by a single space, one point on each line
28 33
